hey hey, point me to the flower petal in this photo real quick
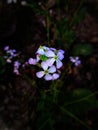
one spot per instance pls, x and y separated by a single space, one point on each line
48 77
77 63
50 53
52 69
46 48
53 49
40 74
40 51
59 64
44 65
72 59
32 61
60 55
50 61
6 48
62 51
55 76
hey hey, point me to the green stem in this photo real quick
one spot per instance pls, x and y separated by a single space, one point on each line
79 100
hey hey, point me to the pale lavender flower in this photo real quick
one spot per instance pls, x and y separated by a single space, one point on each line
46 72
55 58
75 60
32 61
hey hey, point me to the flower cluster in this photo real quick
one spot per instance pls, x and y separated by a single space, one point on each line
10 54
50 61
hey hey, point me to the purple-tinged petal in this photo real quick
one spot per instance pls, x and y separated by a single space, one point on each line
55 76
8 60
77 58
16 71
52 69
6 48
60 55
72 59
49 54
50 61
40 74
53 49
32 61
62 51
77 63
48 77
59 64
17 64
44 65
37 57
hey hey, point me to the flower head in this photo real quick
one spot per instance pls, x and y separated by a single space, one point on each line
55 56
75 60
46 72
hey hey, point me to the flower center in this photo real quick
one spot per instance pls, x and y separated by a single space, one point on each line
55 57
46 71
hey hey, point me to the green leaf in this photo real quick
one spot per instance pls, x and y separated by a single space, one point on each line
83 49
43 57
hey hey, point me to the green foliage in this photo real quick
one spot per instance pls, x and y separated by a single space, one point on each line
78 16
83 49
67 106
64 33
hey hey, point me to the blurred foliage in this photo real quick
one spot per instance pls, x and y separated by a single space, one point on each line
83 49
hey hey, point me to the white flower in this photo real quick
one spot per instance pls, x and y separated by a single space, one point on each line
55 58
47 72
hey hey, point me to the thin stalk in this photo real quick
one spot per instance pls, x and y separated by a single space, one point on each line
75 117
79 100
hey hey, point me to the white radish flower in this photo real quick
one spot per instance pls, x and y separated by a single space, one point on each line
46 72
55 58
